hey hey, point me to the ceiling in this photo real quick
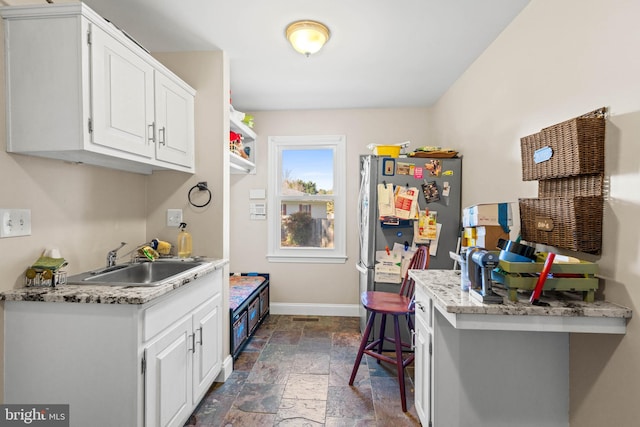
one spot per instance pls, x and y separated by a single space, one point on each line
381 54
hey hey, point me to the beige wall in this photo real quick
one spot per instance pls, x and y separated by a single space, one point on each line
208 74
315 283
558 60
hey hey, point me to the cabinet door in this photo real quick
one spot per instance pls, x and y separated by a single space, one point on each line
168 377
423 340
207 360
122 98
174 122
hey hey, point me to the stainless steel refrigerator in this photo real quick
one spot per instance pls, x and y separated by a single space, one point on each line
441 179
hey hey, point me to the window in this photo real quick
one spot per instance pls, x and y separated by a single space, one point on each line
307 214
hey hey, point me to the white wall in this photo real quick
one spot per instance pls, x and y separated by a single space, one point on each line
557 60
315 284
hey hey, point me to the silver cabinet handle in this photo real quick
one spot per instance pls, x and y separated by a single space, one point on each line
192 337
413 339
200 331
152 132
161 135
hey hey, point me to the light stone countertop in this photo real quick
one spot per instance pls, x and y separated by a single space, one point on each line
100 294
443 286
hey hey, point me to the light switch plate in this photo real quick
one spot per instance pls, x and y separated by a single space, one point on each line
257 193
15 222
258 211
174 217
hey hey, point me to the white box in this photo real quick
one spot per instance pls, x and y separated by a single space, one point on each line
487 214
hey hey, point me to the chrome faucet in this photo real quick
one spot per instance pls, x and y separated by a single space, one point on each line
112 255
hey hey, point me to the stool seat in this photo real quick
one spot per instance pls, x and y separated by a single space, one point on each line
386 302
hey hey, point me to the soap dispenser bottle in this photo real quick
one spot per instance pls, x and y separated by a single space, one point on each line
184 241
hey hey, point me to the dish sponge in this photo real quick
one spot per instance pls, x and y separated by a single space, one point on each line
48 263
149 253
163 248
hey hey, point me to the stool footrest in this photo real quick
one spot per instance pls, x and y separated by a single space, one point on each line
368 350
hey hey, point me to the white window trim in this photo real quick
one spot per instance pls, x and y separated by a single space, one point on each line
308 255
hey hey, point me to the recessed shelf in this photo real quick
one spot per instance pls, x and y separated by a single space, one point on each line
239 165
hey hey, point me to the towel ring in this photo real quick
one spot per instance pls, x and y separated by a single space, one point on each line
201 186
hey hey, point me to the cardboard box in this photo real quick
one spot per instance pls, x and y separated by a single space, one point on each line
488 236
488 214
469 233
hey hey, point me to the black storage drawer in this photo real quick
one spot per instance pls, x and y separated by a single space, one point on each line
254 314
240 332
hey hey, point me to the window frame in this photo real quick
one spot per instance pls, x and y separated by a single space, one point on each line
276 253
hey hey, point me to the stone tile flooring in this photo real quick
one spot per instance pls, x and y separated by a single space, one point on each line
295 372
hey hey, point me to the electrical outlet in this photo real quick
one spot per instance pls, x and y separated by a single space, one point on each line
174 217
15 222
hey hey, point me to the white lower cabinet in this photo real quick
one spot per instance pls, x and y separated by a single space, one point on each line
207 354
483 374
181 365
168 377
423 341
117 364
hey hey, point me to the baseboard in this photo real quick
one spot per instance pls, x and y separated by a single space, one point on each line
346 310
227 369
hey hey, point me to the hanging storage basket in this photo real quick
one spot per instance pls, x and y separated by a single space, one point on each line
570 148
581 185
573 223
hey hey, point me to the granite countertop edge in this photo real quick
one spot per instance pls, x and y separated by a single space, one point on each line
444 287
97 294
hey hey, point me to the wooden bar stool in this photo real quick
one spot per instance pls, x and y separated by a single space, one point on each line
397 305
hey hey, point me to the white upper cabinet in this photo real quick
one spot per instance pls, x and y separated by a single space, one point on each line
80 90
174 123
122 88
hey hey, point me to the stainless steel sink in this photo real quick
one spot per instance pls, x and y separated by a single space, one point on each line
137 274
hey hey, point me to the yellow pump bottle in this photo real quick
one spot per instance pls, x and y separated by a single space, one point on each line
184 242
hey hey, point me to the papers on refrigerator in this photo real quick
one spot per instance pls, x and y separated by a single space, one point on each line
407 254
427 230
386 205
406 202
388 266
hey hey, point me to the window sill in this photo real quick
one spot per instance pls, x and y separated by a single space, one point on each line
307 259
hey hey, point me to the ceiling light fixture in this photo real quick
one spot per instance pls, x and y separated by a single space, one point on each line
307 37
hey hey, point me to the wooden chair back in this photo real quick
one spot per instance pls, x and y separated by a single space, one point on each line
419 261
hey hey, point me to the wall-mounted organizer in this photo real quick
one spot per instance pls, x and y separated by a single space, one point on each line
568 161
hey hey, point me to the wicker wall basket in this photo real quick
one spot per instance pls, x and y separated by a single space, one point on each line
573 223
581 185
570 148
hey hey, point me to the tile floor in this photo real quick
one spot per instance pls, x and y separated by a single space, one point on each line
295 372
